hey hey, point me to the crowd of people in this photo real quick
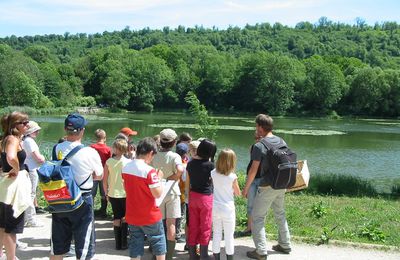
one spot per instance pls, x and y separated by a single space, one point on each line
133 178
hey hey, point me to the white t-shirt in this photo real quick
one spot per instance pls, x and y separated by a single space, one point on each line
223 190
30 146
83 163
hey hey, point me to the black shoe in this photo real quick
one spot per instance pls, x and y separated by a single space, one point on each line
117 236
278 248
40 210
124 236
255 255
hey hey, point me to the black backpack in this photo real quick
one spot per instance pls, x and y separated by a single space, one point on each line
281 163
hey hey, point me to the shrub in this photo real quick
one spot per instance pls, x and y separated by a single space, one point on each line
372 231
318 210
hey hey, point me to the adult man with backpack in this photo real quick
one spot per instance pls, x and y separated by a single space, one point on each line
86 165
267 196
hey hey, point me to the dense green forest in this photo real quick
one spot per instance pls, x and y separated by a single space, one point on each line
311 69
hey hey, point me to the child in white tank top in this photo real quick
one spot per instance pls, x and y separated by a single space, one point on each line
225 187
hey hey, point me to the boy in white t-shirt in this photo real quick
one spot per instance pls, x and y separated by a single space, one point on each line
86 166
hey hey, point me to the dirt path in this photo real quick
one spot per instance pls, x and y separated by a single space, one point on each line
38 247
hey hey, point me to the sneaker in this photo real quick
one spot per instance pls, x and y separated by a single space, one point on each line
255 255
21 245
71 251
278 248
181 240
33 224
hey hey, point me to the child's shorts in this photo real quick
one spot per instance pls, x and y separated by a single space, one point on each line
118 207
155 235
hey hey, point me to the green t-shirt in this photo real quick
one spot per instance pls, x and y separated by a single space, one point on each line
115 182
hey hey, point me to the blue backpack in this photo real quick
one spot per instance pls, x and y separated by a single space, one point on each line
56 180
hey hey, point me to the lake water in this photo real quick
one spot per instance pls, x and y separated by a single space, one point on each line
366 148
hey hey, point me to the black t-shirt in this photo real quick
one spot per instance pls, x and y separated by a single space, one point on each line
199 171
258 174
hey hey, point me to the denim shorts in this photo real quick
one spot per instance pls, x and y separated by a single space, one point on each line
155 235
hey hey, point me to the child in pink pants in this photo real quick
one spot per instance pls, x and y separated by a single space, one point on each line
201 198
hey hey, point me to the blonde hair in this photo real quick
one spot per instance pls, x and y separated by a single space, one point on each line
100 134
193 147
226 162
120 145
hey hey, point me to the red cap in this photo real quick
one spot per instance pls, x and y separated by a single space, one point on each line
127 131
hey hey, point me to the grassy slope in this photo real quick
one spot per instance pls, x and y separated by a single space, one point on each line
378 218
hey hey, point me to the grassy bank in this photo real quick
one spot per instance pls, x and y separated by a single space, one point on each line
337 207
322 218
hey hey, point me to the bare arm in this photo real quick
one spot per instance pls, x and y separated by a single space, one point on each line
105 179
96 177
236 189
39 158
250 178
187 185
177 175
12 159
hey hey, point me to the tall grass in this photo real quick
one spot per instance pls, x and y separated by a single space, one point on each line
339 184
396 189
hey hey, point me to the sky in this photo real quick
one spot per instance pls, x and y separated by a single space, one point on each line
38 17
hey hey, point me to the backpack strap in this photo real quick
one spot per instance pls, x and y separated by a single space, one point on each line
71 153
54 154
270 146
80 185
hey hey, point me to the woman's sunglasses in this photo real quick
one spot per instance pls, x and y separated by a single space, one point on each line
25 123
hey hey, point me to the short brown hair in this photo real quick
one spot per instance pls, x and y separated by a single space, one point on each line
226 162
100 134
265 122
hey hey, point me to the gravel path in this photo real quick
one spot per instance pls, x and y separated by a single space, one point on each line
38 247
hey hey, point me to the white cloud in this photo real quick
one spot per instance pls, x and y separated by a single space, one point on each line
109 6
263 6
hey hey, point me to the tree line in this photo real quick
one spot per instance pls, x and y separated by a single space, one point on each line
311 69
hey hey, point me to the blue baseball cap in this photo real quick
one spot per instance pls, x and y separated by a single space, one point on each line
75 122
182 148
